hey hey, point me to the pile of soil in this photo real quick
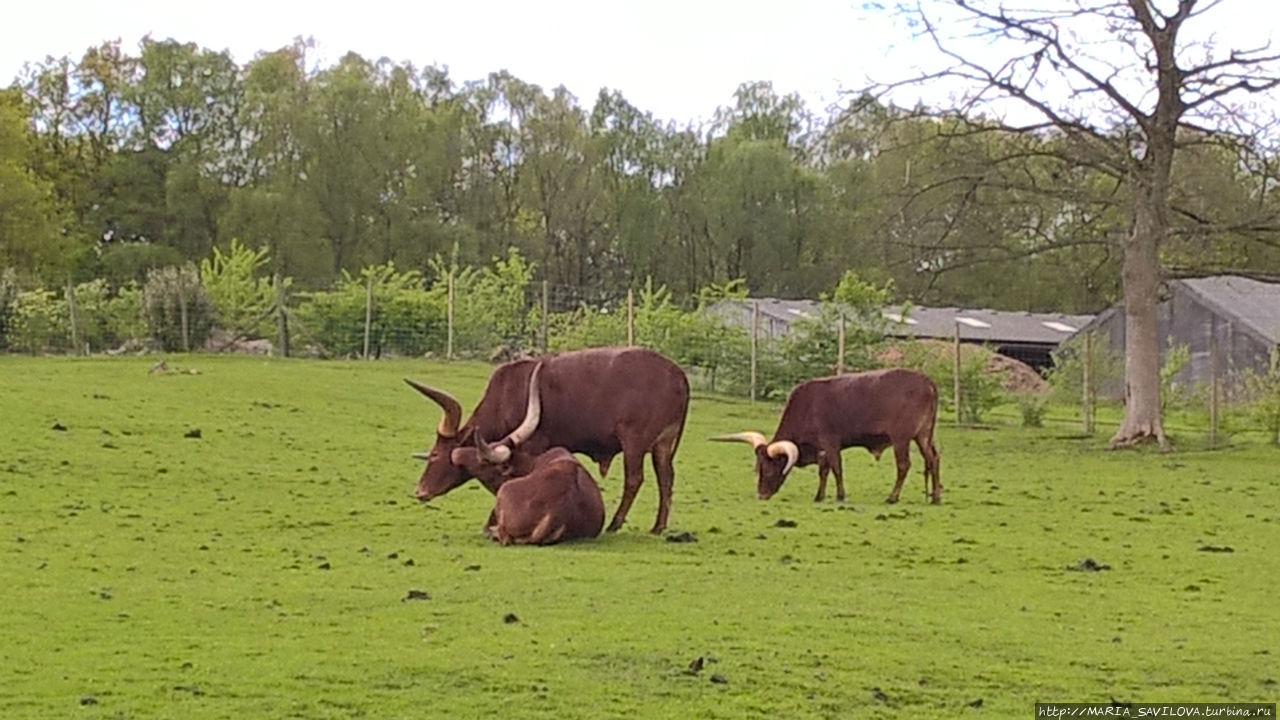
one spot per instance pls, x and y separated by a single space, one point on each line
1017 376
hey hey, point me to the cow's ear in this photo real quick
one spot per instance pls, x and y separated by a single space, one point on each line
458 456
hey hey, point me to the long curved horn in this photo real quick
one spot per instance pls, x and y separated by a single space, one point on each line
452 409
532 415
784 447
755 439
496 454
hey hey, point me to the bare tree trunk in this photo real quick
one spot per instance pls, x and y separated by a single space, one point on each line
1141 276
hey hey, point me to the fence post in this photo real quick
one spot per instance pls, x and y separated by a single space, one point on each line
71 310
957 372
368 313
755 335
545 309
182 309
840 347
631 317
448 338
282 319
1213 385
1086 394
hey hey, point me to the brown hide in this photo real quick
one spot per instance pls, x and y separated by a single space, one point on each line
598 402
557 500
877 410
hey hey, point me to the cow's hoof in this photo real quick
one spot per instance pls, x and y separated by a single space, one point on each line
891 500
936 501
657 529
818 498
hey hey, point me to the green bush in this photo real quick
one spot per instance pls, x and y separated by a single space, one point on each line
980 391
40 323
1033 407
167 293
242 300
404 318
1264 388
490 304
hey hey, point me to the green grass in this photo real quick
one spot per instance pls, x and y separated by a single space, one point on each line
260 570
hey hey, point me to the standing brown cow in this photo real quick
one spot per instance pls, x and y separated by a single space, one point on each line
876 410
598 402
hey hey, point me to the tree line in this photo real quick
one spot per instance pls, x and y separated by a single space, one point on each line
118 162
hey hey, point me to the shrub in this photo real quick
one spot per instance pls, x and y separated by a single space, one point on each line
980 391
404 317
40 323
1265 390
168 294
242 300
1032 406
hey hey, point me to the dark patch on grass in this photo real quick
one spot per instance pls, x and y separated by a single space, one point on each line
510 618
416 594
193 433
976 703
1216 548
719 679
471 568
60 428
682 537
88 700
1089 565
695 666
194 690
785 523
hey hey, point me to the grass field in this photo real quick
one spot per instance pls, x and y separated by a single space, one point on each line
261 569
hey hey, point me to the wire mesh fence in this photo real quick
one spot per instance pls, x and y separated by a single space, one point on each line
723 347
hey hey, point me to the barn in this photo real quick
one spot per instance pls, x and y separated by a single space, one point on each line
1029 337
1228 321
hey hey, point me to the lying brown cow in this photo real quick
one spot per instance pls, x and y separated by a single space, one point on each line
554 499
876 410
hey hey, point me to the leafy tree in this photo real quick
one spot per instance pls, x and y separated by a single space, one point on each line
1166 95
30 215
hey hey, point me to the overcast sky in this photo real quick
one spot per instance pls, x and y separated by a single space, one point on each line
679 59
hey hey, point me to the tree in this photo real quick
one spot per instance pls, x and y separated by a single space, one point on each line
1124 107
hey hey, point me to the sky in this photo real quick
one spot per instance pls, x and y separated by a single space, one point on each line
679 59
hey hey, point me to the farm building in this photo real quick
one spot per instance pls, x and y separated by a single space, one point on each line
1235 318
1025 336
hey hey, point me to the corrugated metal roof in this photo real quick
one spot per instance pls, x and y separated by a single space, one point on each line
926 322
1252 302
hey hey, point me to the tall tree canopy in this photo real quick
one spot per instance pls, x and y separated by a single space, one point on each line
118 161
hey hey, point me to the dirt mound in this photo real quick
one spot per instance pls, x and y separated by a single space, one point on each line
1017 376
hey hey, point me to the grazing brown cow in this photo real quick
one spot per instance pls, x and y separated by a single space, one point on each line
875 410
598 402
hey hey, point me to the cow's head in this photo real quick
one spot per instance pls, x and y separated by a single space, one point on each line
458 456
773 460
443 473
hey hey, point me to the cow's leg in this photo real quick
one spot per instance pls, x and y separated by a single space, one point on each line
491 522
822 477
902 454
663 458
837 469
633 475
932 463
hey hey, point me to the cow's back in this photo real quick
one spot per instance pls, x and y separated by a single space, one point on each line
895 402
589 397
